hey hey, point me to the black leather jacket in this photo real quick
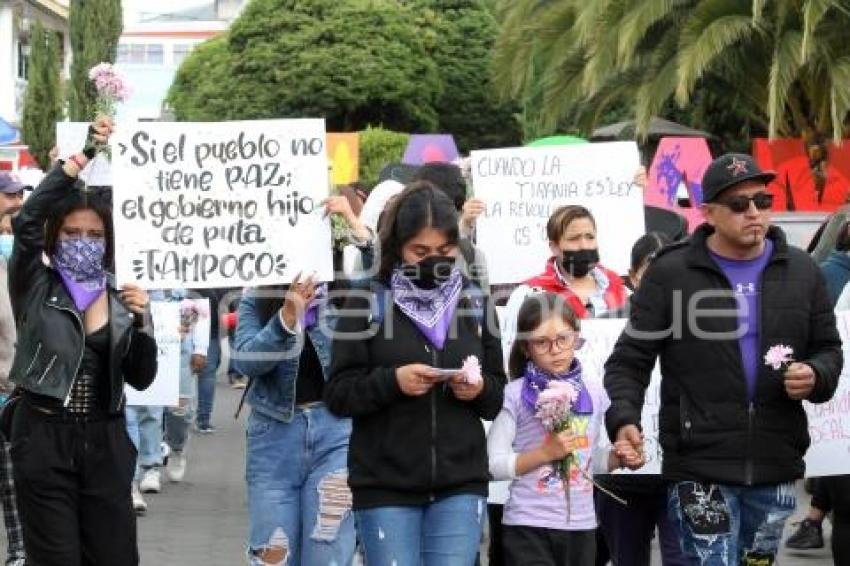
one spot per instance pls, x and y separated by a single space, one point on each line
51 333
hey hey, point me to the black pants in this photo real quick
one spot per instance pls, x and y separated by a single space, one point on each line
495 552
536 546
73 488
833 493
629 528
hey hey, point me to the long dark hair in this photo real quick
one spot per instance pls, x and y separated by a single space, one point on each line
646 247
535 310
419 206
96 199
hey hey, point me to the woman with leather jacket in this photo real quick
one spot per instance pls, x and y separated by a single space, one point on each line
79 341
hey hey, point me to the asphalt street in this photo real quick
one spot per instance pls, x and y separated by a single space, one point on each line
203 521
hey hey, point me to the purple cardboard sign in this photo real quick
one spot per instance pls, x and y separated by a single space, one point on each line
425 148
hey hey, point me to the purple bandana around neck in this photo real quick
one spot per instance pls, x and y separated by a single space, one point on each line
536 380
431 310
79 262
311 316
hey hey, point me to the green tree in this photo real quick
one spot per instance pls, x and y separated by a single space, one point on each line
378 148
353 62
785 65
95 26
197 93
460 36
43 101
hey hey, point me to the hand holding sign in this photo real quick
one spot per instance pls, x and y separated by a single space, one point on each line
297 299
472 209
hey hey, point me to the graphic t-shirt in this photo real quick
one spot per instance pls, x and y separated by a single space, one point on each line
745 277
537 498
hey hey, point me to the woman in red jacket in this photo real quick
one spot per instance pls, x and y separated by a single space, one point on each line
574 271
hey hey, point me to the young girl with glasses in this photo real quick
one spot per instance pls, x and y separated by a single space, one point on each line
540 526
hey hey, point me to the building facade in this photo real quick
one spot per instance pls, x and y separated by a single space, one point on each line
151 51
17 18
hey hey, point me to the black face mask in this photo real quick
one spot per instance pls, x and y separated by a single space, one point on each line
579 263
431 272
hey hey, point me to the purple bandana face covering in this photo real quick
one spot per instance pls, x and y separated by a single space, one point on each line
430 310
79 262
536 380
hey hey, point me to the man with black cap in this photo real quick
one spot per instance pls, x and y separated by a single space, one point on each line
714 309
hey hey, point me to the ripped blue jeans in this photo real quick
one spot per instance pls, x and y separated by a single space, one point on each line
724 525
299 503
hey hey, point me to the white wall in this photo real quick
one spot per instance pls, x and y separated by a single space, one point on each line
8 71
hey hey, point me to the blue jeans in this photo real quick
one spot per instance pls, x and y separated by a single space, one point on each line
144 425
206 382
728 525
178 420
299 504
444 533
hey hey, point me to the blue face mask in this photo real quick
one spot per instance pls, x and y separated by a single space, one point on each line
6 243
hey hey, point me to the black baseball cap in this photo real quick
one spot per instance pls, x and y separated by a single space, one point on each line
729 170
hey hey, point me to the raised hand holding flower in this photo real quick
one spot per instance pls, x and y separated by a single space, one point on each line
111 90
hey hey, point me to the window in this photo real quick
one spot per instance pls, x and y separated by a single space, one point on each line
154 54
137 54
181 51
141 53
23 60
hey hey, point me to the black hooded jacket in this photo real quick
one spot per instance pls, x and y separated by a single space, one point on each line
708 429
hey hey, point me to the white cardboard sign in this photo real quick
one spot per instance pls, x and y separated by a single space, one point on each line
70 139
229 204
165 389
521 187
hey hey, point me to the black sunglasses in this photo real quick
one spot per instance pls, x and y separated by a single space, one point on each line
741 203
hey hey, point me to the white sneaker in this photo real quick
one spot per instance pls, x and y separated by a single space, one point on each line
176 468
139 504
151 481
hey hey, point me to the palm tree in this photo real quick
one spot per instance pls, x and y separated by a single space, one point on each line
785 63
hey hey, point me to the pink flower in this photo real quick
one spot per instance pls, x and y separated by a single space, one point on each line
554 405
779 356
190 312
111 90
564 388
471 370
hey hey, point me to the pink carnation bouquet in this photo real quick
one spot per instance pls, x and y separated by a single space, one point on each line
111 90
110 87
555 410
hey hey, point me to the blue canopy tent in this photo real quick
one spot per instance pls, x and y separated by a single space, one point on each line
8 133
